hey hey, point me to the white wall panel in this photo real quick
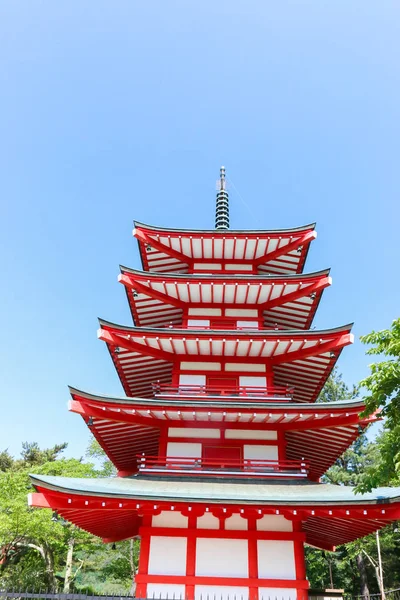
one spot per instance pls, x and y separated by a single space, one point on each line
200 312
257 451
221 558
276 559
241 312
169 591
169 518
249 367
236 522
193 432
250 434
238 266
253 381
189 450
192 379
249 324
207 521
200 366
274 523
224 592
280 593
167 555
199 323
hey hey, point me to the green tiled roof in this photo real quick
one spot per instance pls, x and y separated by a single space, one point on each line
216 492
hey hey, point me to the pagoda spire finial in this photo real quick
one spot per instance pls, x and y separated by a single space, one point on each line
222 206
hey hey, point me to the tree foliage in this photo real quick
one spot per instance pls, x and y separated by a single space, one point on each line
38 551
351 567
383 394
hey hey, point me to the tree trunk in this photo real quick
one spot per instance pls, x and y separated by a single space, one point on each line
49 561
46 553
330 572
68 566
364 590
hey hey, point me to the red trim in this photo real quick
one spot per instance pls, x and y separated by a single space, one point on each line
149 239
253 534
221 441
306 238
231 581
299 560
281 444
362 511
252 556
143 569
162 446
303 239
191 557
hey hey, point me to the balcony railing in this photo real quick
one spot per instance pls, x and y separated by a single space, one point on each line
187 466
202 392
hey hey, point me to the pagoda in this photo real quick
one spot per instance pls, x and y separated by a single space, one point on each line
219 443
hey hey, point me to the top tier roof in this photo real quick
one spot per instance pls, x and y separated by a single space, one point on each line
278 251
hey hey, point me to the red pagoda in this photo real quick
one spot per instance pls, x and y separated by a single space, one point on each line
219 444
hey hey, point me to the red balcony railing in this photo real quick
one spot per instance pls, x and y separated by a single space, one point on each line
253 393
187 466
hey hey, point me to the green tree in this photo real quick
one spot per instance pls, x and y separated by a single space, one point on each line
335 389
348 567
39 550
28 534
95 452
383 394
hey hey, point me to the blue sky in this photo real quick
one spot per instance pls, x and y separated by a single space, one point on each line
114 111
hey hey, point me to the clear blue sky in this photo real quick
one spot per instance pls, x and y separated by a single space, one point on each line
114 111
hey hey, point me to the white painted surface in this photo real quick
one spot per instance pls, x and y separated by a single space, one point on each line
193 432
226 592
167 555
192 379
202 312
207 521
189 450
166 590
221 558
250 434
169 518
259 452
238 266
236 522
199 323
253 381
209 266
279 593
276 559
241 312
200 366
247 367
274 523
248 324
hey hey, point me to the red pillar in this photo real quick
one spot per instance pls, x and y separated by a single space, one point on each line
141 588
191 556
299 560
253 558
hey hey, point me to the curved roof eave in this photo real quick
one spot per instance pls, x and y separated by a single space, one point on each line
185 277
358 404
304 493
225 231
228 332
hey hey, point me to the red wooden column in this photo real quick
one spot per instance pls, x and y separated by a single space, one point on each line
141 588
299 560
191 556
253 558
